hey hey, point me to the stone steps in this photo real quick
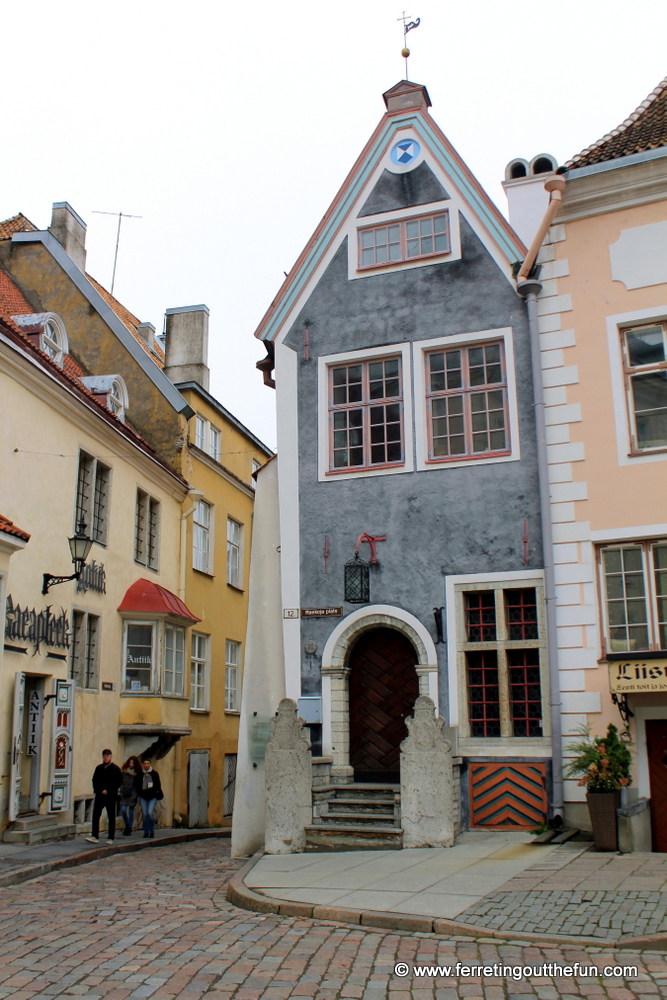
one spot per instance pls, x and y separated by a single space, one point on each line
43 832
377 818
331 837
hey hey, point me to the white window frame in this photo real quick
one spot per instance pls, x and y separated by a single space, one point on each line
421 349
214 435
496 746
646 546
201 432
199 692
351 357
118 399
170 673
88 512
153 625
615 326
235 579
143 535
256 466
82 675
232 671
202 558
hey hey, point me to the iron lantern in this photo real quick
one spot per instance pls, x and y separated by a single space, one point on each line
357 581
79 545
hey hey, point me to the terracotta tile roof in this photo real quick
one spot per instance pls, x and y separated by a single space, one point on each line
17 224
12 302
10 528
645 129
128 320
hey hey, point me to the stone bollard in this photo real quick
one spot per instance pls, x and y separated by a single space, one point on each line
287 769
427 813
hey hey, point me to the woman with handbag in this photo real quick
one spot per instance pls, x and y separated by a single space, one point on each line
150 793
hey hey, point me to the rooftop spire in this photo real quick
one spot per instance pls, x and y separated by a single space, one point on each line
408 25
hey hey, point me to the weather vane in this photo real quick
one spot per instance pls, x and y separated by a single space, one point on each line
408 25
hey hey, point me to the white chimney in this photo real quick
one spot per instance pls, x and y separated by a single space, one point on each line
186 345
526 198
147 333
70 231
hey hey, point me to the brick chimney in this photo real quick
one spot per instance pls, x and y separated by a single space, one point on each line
70 231
186 345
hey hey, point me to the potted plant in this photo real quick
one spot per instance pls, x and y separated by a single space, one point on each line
602 765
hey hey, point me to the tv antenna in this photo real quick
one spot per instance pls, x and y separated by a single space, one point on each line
121 216
408 25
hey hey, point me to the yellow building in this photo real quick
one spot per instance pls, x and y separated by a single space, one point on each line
219 463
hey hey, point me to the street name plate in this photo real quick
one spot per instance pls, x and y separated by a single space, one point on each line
321 612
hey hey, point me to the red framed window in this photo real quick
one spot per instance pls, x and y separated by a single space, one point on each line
483 693
366 414
481 616
523 668
408 239
466 399
521 614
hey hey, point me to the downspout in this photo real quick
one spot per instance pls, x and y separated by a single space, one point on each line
530 288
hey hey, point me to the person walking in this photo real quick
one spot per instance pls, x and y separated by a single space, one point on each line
130 780
106 782
150 793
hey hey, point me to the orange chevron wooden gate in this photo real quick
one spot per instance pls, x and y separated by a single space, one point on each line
508 796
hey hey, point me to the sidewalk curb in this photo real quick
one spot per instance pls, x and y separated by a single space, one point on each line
74 860
239 894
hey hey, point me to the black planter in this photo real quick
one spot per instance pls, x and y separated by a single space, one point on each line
602 807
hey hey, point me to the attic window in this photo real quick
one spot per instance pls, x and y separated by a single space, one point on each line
47 332
110 391
404 240
116 399
52 342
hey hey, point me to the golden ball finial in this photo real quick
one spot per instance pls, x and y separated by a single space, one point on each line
405 53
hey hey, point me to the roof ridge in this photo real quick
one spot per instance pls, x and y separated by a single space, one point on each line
620 129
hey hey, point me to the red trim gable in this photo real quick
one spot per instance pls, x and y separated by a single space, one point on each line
9 528
146 597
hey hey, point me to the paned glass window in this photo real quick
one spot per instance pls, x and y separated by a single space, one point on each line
174 646
256 466
139 642
201 532
502 653
198 672
366 414
406 239
200 432
232 665
146 527
214 443
635 596
645 358
233 552
466 398
85 650
52 342
92 497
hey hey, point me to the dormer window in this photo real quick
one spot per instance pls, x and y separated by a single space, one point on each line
111 391
47 332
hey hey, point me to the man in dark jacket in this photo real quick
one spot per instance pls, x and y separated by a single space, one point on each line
107 779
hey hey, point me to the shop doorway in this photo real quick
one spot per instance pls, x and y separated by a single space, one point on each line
656 748
383 689
26 744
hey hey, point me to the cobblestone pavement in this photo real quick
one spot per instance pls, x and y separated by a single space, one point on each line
599 895
156 924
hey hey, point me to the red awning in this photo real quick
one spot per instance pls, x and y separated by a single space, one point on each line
145 597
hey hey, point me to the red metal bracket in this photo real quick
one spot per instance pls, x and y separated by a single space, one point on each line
372 540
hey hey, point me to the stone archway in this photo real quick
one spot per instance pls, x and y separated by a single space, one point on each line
336 671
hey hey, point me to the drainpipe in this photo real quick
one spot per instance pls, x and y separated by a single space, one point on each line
530 288
192 495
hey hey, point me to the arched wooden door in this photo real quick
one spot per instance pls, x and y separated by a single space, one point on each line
383 689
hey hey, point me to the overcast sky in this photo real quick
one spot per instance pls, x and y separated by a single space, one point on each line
229 129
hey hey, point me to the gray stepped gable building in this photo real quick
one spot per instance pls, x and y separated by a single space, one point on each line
406 414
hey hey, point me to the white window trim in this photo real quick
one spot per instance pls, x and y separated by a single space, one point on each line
421 349
204 445
644 543
207 671
156 651
386 219
212 431
513 579
238 667
241 575
179 695
619 396
324 363
211 539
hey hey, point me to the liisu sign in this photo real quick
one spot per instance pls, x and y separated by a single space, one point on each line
636 675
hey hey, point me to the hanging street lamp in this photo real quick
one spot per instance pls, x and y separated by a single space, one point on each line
79 545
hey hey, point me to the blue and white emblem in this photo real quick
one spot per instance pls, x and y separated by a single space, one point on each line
405 152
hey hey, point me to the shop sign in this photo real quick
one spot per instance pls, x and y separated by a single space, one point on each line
34 724
93 577
37 627
636 676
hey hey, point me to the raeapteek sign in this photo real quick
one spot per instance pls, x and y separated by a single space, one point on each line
633 676
36 627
